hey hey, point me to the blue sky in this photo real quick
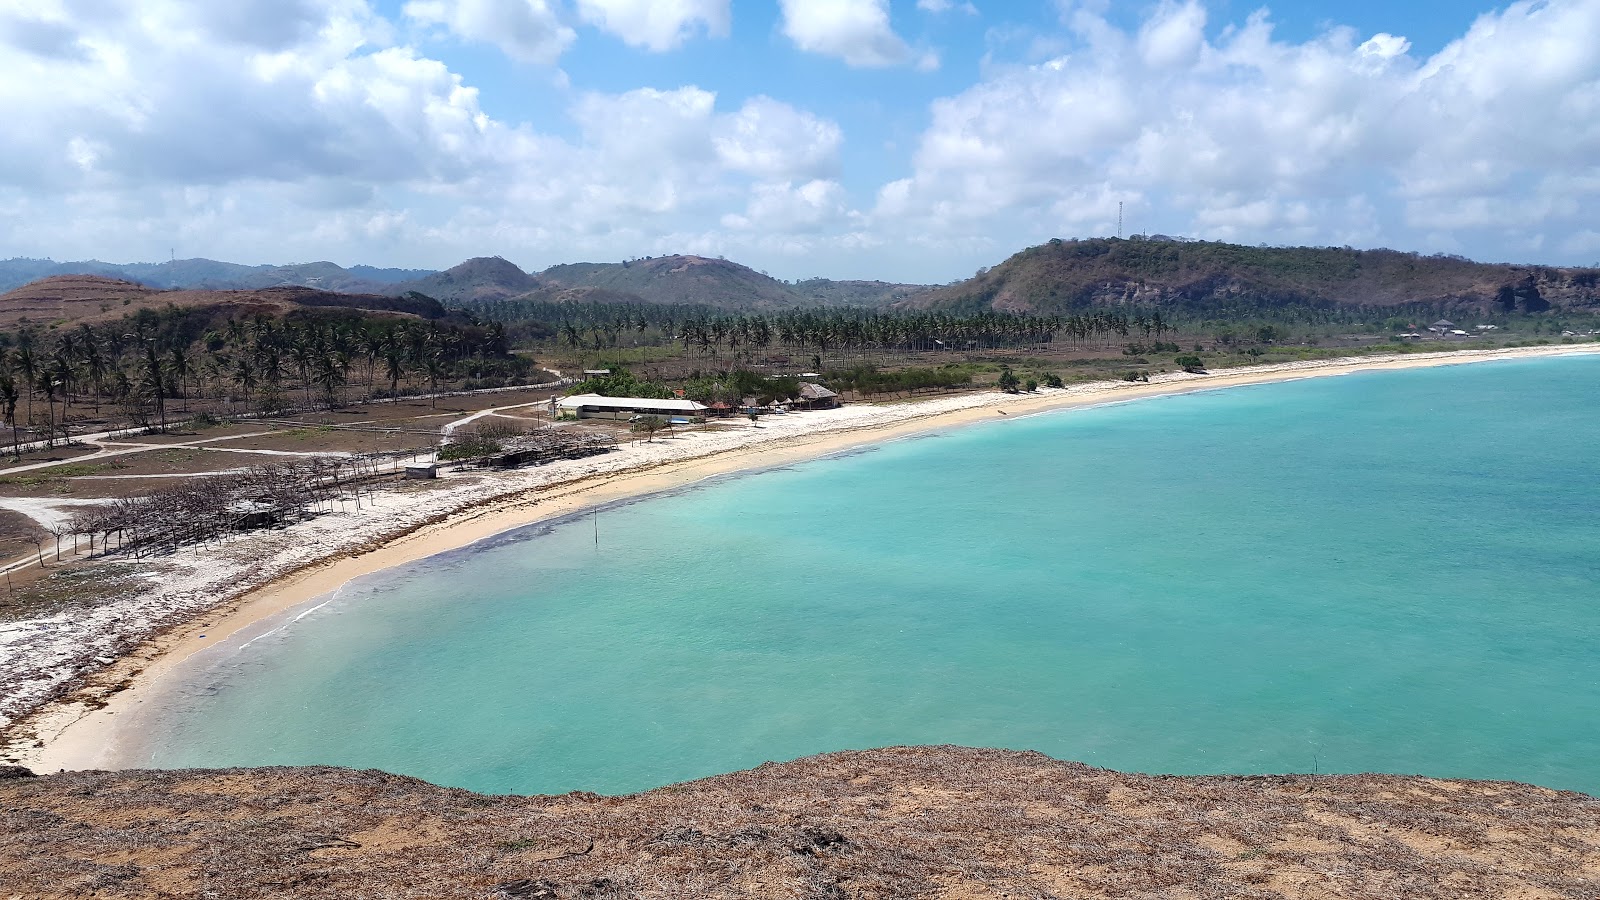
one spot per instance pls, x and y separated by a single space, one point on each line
912 140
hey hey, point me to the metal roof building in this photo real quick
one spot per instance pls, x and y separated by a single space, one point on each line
594 406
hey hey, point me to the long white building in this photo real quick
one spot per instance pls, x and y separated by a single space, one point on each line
594 406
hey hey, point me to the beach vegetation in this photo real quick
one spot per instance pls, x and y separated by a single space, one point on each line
1190 363
1008 380
649 425
1052 380
870 380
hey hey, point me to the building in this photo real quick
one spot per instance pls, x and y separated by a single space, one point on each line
814 396
1443 326
594 406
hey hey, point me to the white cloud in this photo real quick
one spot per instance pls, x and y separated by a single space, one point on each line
525 30
657 24
171 129
943 6
856 31
1250 137
1174 35
774 140
788 208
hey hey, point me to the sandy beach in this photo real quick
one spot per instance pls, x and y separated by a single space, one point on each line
68 680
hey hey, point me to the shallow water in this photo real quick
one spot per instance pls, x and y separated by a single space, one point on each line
1379 572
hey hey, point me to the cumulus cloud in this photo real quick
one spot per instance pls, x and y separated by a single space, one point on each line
525 30
178 128
298 129
774 140
789 208
1250 137
657 24
856 31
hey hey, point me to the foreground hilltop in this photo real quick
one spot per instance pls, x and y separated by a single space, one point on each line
903 822
1215 277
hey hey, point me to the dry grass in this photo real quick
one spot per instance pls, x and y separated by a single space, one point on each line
906 822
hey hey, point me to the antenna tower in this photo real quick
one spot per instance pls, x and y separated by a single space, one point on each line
1119 220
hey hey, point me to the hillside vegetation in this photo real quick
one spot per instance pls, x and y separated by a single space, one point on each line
1232 280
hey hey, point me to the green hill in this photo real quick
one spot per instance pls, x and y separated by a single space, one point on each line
1203 276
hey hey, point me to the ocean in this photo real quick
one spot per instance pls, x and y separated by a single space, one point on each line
1389 571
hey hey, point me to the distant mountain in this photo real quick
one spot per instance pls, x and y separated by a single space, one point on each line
482 278
209 274
62 300
1062 276
694 280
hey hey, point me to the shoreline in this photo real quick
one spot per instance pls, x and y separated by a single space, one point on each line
80 730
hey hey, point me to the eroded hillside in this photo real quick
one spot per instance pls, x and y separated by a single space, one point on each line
905 822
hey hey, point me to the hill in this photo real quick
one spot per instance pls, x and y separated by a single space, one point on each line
1063 276
896 823
209 274
678 279
87 299
661 280
477 279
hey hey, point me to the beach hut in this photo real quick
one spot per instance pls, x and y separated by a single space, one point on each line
1443 326
814 396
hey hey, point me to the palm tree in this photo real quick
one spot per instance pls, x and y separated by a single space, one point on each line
394 366
27 365
330 376
94 363
178 364
244 374
8 401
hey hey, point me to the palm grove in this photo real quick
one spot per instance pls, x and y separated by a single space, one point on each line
137 368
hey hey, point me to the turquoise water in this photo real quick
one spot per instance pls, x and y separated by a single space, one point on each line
1382 572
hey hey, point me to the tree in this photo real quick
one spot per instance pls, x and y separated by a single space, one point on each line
648 426
1008 380
1191 363
1053 380
1030 385
8 400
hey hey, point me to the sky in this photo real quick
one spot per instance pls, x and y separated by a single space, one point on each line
903 140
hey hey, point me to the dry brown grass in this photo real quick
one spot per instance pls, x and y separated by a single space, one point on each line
938 822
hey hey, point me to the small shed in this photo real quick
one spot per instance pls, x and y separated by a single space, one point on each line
421 471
